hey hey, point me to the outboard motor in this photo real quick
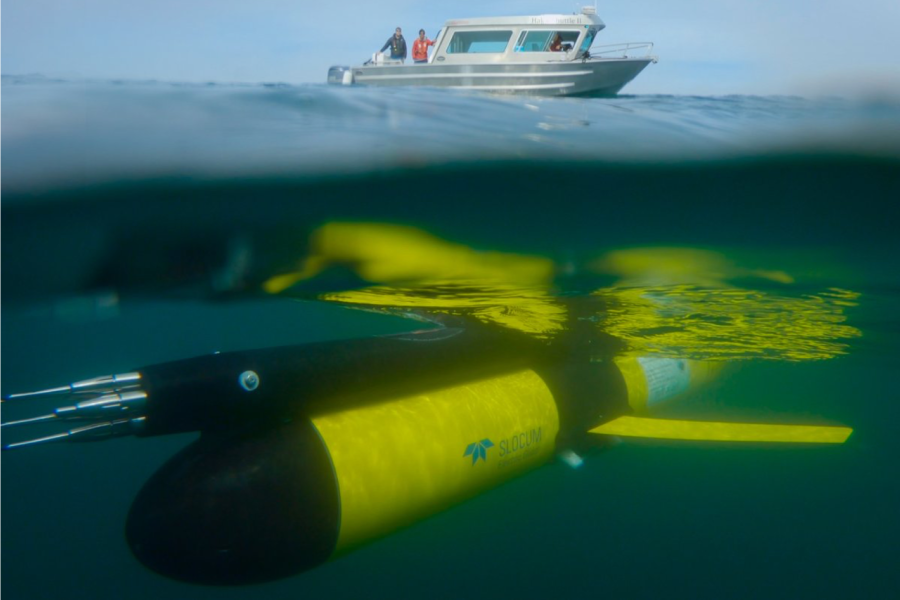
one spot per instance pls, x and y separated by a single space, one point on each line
340 75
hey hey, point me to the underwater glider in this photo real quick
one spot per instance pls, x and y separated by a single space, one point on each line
312 450
309 451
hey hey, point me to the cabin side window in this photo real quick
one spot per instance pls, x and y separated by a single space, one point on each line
478 42
542 40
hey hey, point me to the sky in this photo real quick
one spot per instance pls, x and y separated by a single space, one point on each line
705 47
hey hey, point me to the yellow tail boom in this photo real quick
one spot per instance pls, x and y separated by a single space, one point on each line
671 429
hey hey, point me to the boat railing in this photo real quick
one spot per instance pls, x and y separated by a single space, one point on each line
625 50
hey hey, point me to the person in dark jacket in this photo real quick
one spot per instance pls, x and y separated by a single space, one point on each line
397 45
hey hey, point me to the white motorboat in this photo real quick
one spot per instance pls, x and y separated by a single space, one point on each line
548 55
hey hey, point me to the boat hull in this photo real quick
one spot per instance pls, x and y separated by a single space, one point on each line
597 77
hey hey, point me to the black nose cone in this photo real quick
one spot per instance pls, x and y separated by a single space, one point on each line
239 510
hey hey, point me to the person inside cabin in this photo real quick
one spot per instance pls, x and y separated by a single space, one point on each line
556 44
397 44
420 48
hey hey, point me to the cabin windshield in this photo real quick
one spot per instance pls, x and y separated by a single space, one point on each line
588 40
479 42
539 40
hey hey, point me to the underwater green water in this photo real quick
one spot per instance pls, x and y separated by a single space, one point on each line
112 268
641 519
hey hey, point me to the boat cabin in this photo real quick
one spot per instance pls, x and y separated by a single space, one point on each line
516 39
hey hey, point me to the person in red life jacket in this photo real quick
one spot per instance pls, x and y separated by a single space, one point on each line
420 48
397 45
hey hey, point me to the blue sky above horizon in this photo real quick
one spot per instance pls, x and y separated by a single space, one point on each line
706 47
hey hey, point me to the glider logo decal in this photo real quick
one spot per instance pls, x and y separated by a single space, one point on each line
479 450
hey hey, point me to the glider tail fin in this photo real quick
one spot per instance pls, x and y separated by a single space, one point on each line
670 429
